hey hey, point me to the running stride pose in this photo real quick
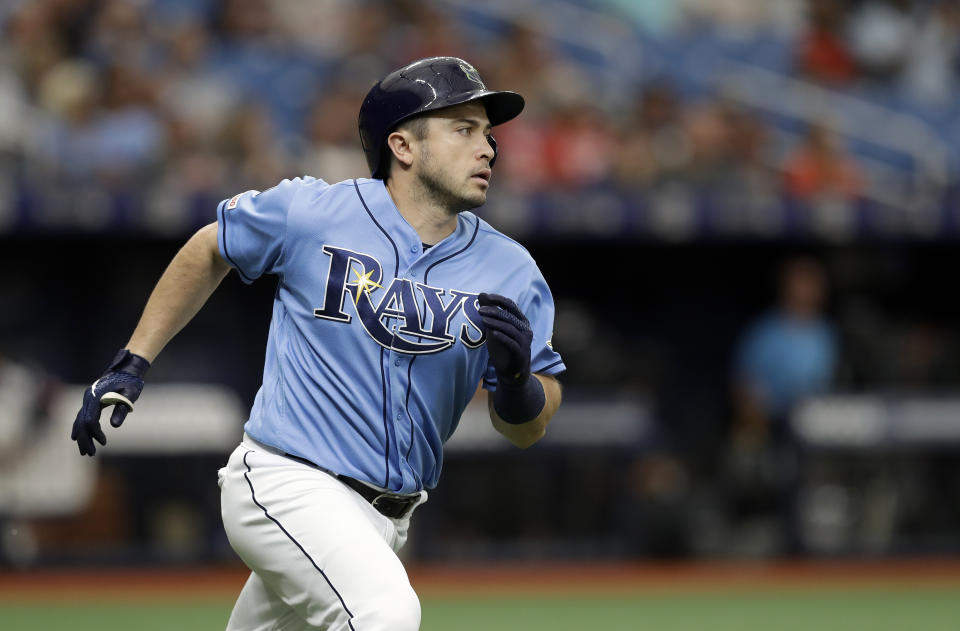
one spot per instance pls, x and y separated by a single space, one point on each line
394 303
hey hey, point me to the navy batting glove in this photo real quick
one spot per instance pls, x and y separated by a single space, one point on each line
119 386
509 337
518 398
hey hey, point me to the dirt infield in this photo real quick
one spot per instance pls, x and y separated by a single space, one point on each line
220 582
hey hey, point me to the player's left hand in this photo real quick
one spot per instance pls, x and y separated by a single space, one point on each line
509 337
119 386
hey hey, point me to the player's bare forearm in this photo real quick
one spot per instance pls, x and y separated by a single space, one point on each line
526 434
186 284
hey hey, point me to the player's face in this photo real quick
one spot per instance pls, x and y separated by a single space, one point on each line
454 165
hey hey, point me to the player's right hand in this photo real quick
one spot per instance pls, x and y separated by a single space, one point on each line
119 386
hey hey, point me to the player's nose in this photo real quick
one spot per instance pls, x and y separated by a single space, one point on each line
485 149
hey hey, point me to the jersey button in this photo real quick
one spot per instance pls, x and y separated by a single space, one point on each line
414 248
396 362
413 274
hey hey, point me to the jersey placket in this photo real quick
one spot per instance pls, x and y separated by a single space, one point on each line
398 368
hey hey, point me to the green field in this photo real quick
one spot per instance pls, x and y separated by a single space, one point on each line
932 608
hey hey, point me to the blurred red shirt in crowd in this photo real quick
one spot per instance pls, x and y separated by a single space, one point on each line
577 147
820 167
822 54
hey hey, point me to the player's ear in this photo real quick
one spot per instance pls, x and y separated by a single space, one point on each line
400 144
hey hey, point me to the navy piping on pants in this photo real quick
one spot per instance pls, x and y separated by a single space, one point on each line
297 543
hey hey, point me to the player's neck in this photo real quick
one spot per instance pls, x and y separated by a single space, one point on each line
432 221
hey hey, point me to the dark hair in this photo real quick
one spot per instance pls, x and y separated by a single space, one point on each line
417 126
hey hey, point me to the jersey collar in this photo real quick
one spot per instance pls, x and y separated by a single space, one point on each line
405 236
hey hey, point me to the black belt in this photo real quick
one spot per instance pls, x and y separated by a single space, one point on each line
393 505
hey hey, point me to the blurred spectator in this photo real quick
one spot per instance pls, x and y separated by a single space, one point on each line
822 54
577 147
743 18
879 33
320 27
36 46
923 359
99 125
655 510
522 147
784 356
248 142
933 54
752 183
652 141
712 141
118 33
64 140
244 21
195 102
191 92
821 168
429 32
334 153
523 61
530 62
370 38
131 137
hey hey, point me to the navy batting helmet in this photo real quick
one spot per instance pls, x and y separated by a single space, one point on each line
425 85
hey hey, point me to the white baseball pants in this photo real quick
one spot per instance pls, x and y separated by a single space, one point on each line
321 556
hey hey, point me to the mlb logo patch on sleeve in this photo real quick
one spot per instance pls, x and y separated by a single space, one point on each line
236 198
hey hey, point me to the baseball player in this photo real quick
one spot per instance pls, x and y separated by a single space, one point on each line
394 302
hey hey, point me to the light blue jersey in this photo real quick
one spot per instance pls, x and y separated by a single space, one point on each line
375 346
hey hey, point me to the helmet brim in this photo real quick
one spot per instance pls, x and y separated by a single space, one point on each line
502 106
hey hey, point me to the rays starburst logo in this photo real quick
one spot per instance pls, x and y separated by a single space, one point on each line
471 73
365 284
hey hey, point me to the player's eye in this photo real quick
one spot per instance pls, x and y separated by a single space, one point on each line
464 131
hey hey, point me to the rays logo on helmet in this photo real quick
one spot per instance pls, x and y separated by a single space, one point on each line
472 74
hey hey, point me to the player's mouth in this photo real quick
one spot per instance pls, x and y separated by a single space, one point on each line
483 175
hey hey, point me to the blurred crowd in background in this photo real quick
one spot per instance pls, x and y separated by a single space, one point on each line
141 113
739 205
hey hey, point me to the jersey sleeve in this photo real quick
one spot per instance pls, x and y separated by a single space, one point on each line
537 304
252 227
